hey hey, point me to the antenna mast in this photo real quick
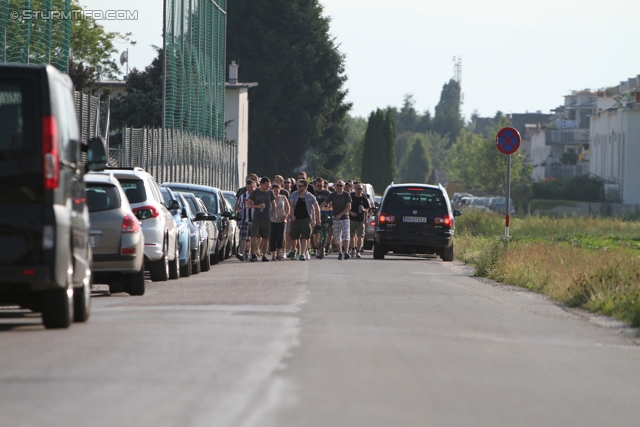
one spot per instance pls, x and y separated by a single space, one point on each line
457 75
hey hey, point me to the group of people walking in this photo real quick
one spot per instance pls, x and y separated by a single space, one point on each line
283 217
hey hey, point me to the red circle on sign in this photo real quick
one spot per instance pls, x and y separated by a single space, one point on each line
508 140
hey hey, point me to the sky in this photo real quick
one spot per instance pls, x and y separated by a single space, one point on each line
517 55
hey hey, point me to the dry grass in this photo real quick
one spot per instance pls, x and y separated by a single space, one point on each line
588 263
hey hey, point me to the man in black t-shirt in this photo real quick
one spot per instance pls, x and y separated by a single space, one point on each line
359 213
310 189
321 195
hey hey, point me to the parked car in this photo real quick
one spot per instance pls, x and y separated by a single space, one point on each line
455 200
185 229
415 219
161 250
45 254
465 202
478 203
499 205
234 230
214 202
207 233
116 237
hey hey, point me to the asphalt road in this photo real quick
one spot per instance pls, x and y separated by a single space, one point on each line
399 342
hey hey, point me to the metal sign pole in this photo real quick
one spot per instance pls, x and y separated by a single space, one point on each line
508 202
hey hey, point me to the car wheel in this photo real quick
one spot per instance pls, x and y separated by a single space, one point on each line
222 255
57 310
205 264
447 254
195 258
185 270
159 269
135 283
228 250
174 266
378 252
82 301
214 257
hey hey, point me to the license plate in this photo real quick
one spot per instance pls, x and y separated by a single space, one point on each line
414 219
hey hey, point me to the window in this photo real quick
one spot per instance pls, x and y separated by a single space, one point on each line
102 197
415 198
12 124
134 189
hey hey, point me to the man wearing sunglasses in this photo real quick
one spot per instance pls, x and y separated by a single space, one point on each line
359 213
341 205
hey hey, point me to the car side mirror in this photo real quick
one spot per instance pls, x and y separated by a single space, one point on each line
201 216
174 204
144 214
211 217
184 213
96 155
227 214
456 212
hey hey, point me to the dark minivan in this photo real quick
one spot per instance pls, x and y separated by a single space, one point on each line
45 255
415 219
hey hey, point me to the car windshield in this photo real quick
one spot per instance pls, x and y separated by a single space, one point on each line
102 197
165 196
210 200
192 203
415 197
134 189
231 199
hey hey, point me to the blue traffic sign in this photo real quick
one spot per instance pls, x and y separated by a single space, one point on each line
508 140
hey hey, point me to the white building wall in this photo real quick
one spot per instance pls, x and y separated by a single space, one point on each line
539 153
236 108
615 151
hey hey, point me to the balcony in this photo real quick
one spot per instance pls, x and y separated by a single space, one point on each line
566 136
566 171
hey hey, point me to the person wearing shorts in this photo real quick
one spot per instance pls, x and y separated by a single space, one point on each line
244 225
262 201
340 206
304 214
358 214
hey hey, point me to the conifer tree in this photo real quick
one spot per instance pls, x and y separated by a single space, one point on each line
416 164
298 110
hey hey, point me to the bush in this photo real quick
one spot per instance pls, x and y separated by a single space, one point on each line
584 188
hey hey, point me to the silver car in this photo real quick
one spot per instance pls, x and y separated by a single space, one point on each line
161 244
116 236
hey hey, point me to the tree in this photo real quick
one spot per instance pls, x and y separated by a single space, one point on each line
378 160
141 104
416 165
298 111
476 162
92 49
448 121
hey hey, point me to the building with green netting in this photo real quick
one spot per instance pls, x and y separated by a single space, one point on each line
35 32
195 44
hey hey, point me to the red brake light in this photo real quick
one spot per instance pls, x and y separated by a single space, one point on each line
383 218
154 212
372 223
50 154
128 251
444 220
130 224
414 189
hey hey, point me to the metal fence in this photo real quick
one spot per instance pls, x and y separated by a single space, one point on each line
182 157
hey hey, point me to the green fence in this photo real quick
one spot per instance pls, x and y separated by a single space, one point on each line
195 46
35 32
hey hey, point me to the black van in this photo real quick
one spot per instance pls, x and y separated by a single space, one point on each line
415 219
45 255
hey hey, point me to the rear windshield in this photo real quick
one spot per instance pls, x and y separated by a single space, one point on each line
415 198
134 189
102 197
12 126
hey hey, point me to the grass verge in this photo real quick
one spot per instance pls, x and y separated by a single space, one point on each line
588 263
